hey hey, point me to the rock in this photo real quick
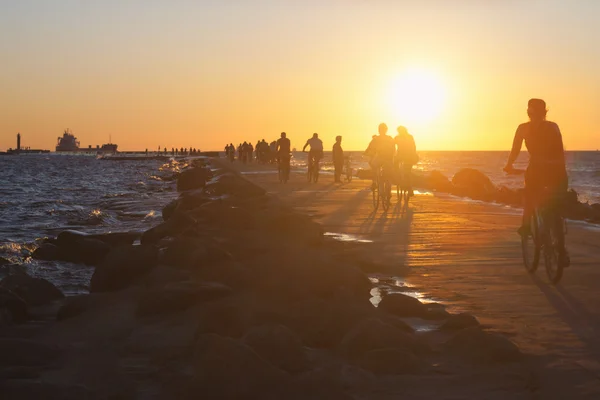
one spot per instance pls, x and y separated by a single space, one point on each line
115 239
227 369
179 296
459 321
193 178
231 319
233 185
372 334
278 345
169 209
4 261
48 252
13 305
596 207
194 252
122 267
402 305
439 182
473 183
26 389
25 352
477 345
508 196
176 225
392 362
79 247
35 291
76 305
323 324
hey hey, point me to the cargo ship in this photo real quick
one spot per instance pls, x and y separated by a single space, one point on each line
68 142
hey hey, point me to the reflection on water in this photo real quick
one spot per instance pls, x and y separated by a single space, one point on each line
344 237
387 285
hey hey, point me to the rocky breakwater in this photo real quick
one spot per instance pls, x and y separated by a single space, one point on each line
236 296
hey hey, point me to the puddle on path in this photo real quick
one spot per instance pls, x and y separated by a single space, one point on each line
386 285
344 237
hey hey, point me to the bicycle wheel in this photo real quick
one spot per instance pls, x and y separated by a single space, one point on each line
315 173
531 246
281 174
349 174
554 269
375 193
385 193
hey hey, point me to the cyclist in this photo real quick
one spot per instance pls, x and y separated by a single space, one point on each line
316 150
546 168
283 150
381 150
406 156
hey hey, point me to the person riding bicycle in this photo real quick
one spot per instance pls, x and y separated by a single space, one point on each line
283 148
406 156
381 151
546 169
316 150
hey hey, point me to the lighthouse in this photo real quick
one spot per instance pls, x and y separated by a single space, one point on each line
18 142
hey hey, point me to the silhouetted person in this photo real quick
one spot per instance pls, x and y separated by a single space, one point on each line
338 158
546 168
381 150
250 152
316 149
406 157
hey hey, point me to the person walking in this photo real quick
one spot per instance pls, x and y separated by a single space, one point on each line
338 159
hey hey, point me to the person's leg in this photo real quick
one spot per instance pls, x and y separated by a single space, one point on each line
408 178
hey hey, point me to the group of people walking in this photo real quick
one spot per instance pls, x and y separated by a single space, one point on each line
263 152
396 155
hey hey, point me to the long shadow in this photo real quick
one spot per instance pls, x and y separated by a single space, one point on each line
348 208
320 192
583 323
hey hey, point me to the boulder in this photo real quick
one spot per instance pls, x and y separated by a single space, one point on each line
226 369
114 239
13 306
233 185
35 291
76 305
230 318
278 345
79 247
372 334
476 345
402 305
438 182
48 252
392 362
473 183
179 296
192 178
459 321
508 196
122 267
169 209
177 224
298 227
4 261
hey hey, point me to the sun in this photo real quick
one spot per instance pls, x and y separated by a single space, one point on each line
416 97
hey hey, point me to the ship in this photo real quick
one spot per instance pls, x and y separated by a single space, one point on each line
68 142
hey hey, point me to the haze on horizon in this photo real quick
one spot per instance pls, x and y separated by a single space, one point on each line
205 73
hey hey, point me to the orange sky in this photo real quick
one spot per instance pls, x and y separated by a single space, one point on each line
202 73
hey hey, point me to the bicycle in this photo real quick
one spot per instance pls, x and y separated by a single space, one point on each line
542 239
348 169
284 169
313 168
382 189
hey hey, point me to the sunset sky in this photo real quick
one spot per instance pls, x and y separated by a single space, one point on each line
180 73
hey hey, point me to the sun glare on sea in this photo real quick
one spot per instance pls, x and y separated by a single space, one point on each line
416 96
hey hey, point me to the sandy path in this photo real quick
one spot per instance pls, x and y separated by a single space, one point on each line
467 255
